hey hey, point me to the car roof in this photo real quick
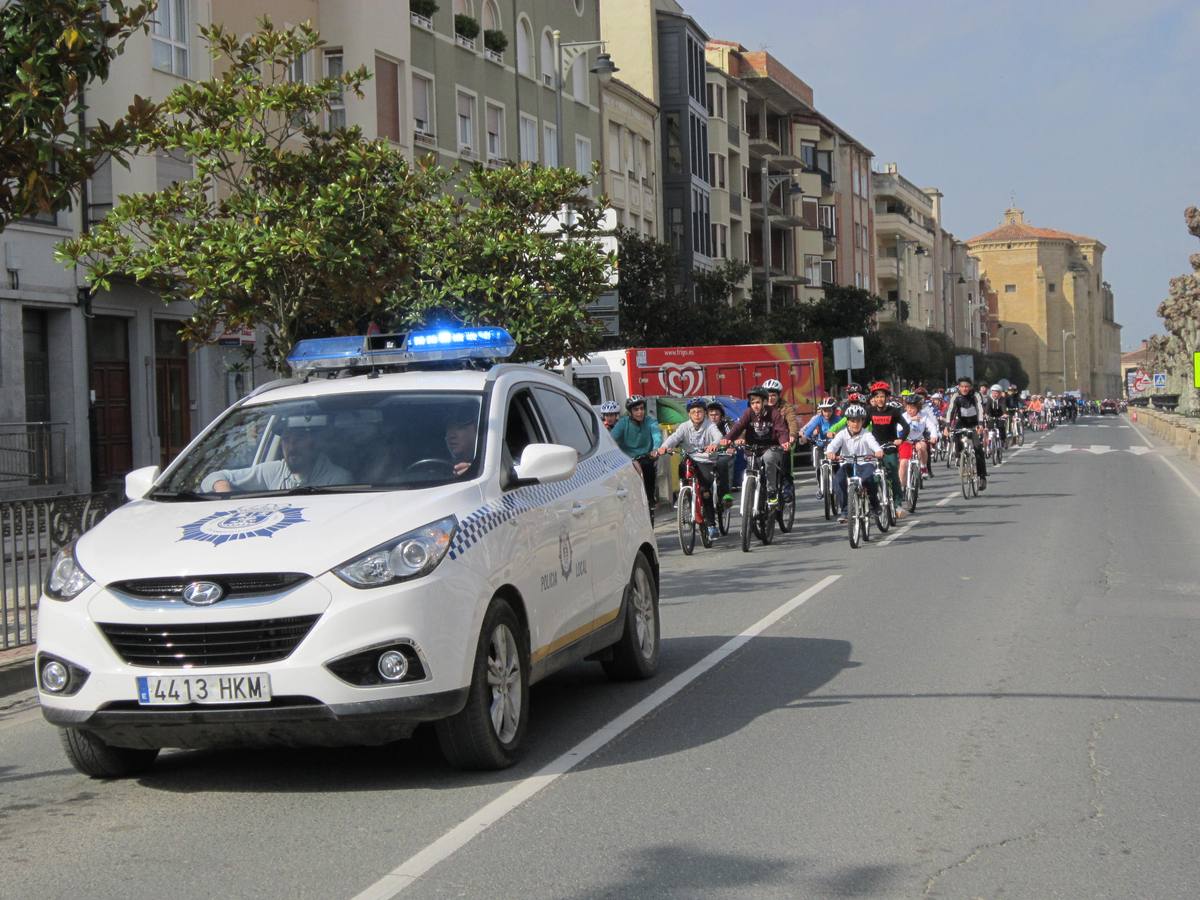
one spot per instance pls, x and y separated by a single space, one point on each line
470 380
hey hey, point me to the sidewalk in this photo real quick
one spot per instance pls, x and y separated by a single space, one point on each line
16 670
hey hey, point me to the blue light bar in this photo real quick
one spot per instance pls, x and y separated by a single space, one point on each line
431 345
487 342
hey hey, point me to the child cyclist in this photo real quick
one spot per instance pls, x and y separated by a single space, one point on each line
698 438
818 429
724 458
854 443
918 436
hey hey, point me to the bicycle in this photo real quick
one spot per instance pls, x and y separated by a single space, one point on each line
887 503
724 513
757 518
968 478
1016 430
858 503
993 446
690 509
913 481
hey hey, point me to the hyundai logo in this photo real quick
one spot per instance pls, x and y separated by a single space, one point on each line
202 593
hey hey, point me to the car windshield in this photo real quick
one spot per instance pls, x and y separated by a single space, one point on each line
334 444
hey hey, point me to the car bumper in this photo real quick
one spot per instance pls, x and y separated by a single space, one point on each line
310 705
287 721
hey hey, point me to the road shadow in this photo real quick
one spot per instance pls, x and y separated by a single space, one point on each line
565 709
681 870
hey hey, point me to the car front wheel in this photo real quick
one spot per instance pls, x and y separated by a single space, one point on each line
635 655
487 732
93 756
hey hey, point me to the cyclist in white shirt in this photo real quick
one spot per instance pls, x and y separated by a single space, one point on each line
918 433
855 442
698 438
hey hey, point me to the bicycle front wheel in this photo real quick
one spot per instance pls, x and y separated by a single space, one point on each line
748 492
854 523
724 515
827 493
686 520
914 478
785 515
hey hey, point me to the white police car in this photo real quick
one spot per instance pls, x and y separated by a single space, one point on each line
418 537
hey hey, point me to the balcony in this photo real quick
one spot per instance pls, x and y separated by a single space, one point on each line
423 22
830 237
889 225
885 268
735 205
762 145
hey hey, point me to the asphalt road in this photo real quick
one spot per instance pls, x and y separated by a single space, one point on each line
1001 701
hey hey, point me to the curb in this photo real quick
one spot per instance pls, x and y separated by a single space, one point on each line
16 677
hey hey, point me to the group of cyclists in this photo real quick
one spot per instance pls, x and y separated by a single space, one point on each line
869 428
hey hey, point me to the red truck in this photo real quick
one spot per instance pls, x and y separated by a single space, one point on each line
727 370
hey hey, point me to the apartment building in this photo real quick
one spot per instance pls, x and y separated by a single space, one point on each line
485 81
906 233
729 172
94 385
660 51
847 215
1054 307
631 158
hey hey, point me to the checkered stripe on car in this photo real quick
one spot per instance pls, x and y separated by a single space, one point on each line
474 526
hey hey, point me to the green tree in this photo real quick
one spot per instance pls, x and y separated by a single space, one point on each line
308 232
50 51
647 292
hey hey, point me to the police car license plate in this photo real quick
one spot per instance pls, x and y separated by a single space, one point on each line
181 690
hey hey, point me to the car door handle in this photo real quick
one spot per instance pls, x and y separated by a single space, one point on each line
622 493
578 509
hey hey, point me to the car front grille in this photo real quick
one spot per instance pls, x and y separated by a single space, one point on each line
238 585
208 643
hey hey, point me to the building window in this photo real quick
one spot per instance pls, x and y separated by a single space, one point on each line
720 240
745 182
550 144
716 101
99 192
491 16
827 271
645 154
675 226
529 145
1051 287
579 88
494 123
812 270
628 139
424 104
718 168
808 154
334 67
169 37
583 157
1010 289
828 218
170 167
548 73
674 144
525 60
614 147
387 99
465 105
744 117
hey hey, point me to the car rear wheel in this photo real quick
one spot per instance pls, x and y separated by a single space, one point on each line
93 756
487 732
635 655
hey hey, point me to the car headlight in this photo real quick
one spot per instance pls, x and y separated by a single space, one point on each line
66 580
409 556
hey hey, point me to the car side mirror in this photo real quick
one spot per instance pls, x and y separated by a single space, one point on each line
139 481
541 463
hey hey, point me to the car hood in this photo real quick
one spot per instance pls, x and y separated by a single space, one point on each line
309 534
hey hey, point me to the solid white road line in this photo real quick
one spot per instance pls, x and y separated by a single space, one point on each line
457 837
903 531
1174 468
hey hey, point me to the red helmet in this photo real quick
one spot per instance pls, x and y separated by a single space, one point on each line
881 386
854 397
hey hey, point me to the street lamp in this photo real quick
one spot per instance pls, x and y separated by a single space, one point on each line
768 185
949 319
567 53
920 251
1065 335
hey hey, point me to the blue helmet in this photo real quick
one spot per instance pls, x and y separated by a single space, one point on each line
695 403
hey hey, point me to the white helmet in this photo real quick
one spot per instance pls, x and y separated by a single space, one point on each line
855 411
773 384
610 408
996 388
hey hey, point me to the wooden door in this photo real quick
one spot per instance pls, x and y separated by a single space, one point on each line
171 383
108 380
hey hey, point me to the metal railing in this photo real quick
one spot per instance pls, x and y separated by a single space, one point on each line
33 453
31 532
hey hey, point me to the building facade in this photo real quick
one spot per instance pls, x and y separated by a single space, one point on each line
728 161
1055 303
631 158
660 51
489 94
906 233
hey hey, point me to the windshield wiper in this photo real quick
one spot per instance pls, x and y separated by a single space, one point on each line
172 496
328 489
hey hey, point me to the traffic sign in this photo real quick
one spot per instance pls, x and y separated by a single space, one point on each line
849 353
1141 381
1160 380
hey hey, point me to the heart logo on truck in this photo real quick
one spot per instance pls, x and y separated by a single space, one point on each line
681 381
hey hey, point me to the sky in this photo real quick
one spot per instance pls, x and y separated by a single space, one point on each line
1085 110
